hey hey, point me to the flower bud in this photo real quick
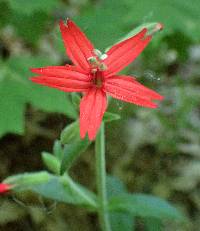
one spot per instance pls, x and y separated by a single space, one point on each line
4 188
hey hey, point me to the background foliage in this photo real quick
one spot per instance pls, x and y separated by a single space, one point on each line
152 151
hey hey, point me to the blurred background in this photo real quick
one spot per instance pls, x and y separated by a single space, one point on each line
152 151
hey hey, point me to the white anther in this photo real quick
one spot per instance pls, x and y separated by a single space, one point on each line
97 52
103 56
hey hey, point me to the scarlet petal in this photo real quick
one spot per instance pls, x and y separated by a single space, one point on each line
63 84
131 84
65 72
127 89
121 54
78 47
92 108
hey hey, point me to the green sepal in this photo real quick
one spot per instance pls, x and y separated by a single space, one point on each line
51 162
25 179
108 117
75 99
58 188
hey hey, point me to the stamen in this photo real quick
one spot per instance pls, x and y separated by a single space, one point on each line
103 56
97 52
92 60
96 64
102 67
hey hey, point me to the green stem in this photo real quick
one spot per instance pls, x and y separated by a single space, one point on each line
101 179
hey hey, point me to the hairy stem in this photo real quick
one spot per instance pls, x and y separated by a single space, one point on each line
101 179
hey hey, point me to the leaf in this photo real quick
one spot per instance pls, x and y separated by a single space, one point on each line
100 17
145 206
27 28
114 186
51 162
149 26
5 13
58 150
75 99
72 152
26 179
108 117
27 7
70 133
59 188
16 90
63 189
12 108
119 220
176 15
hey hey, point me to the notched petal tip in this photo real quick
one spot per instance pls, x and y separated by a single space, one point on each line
70 23
63 25
91 136
67 23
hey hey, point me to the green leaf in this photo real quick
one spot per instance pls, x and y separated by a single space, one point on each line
27 7
51 162
58 150
108 117
72 152
58 188
63 189
26 179
119 220
107 25
145 206
175 15
114 186
75 99
149 26
27 28
16 90
5 13
70 133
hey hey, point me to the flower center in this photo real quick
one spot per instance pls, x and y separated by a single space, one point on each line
97 68
97 79
96 64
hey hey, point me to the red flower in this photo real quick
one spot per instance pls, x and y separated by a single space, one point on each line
4 188
94 75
